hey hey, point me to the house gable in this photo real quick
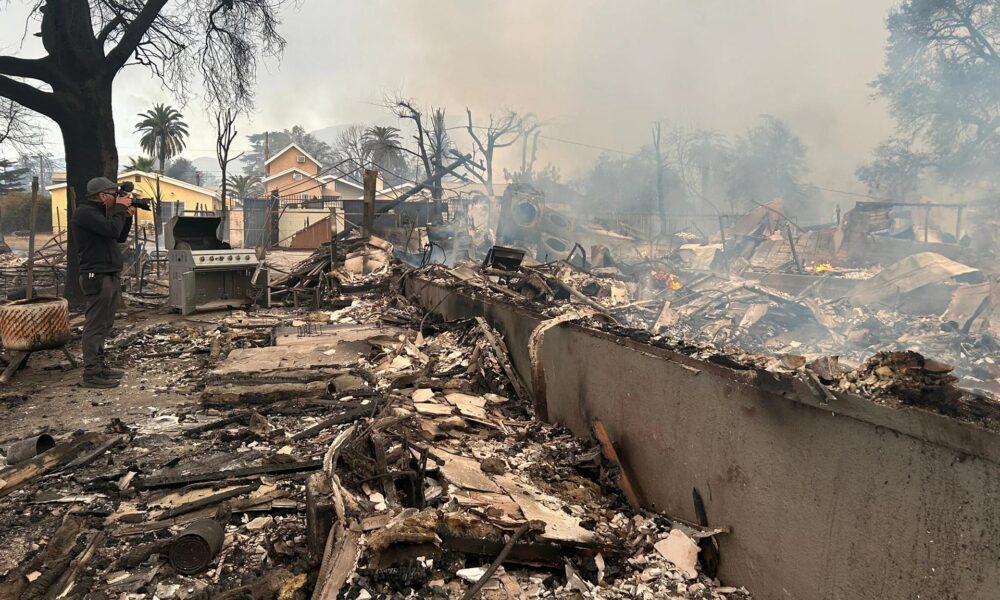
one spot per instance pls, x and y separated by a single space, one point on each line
291 157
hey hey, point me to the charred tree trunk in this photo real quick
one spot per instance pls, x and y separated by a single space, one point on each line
89 143
81 75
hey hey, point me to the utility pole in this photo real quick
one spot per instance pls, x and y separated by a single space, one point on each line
368 221
659 178
426 184
157 217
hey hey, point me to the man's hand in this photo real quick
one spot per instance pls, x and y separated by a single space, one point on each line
124 201
131 210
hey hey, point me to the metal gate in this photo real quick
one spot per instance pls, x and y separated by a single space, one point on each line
260 222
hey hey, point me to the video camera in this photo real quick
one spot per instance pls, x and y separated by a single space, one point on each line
126 189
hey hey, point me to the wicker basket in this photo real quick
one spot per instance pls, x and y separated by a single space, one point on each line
36 324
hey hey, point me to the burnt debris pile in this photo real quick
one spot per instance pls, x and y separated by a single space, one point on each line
358 449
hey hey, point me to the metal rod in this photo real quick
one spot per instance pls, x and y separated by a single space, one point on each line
791 244
722 233
469 595
927 222
31 240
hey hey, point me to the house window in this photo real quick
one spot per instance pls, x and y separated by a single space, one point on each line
296 176
300 159
138 178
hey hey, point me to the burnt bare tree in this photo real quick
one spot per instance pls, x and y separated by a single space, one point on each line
531 129
502 132
225 134
18 129
351 147
700 158
433 142
88 42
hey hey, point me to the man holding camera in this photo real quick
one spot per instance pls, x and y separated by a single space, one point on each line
99 224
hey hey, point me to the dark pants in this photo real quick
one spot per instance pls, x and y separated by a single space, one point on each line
101 294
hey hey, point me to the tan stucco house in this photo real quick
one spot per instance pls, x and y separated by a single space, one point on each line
179 197
295 174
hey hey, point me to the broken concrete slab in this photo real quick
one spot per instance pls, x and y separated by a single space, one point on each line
680 550
464 472
559 526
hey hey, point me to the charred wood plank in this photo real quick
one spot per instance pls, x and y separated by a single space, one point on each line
149 483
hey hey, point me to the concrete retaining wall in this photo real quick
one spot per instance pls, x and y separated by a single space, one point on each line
847 500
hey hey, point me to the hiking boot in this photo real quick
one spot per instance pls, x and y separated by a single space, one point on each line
99 381
111 373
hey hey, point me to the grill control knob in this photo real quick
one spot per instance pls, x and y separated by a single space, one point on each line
229 258
201 259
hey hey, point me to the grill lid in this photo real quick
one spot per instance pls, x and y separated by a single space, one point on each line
193 233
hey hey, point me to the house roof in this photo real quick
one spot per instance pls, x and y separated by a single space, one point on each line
354 184
177 182
290 170
288 147
350 183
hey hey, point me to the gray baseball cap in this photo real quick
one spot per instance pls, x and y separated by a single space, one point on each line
100 184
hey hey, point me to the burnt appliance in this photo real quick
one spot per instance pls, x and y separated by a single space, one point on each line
205 272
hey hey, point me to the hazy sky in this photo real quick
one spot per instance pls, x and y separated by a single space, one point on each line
596 72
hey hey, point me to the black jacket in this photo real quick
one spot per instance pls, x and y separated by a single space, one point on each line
97 233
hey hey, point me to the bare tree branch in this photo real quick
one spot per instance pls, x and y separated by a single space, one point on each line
16 127
29 96
225 135
500 133
30 68
135 31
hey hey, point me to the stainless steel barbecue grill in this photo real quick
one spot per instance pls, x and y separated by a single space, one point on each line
205 272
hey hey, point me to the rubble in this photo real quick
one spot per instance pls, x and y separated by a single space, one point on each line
406 462
733 319
346 443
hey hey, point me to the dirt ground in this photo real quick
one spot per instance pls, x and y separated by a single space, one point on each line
19 244
46 395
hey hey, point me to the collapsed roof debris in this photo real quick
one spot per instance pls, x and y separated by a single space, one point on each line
346 443
361 448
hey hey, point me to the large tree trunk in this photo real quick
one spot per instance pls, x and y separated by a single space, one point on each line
89 143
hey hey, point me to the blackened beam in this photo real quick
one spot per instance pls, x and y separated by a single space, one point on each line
206 501
149 483
423 185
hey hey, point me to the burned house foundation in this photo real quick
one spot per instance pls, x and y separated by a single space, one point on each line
822 493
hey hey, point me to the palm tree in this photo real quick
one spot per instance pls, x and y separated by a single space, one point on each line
164 132
243 186
140 163
384 146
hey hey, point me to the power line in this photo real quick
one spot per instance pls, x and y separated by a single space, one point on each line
322 171
583 145
414 182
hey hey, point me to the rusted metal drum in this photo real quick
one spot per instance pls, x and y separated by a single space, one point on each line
194 548
36 324
29 448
